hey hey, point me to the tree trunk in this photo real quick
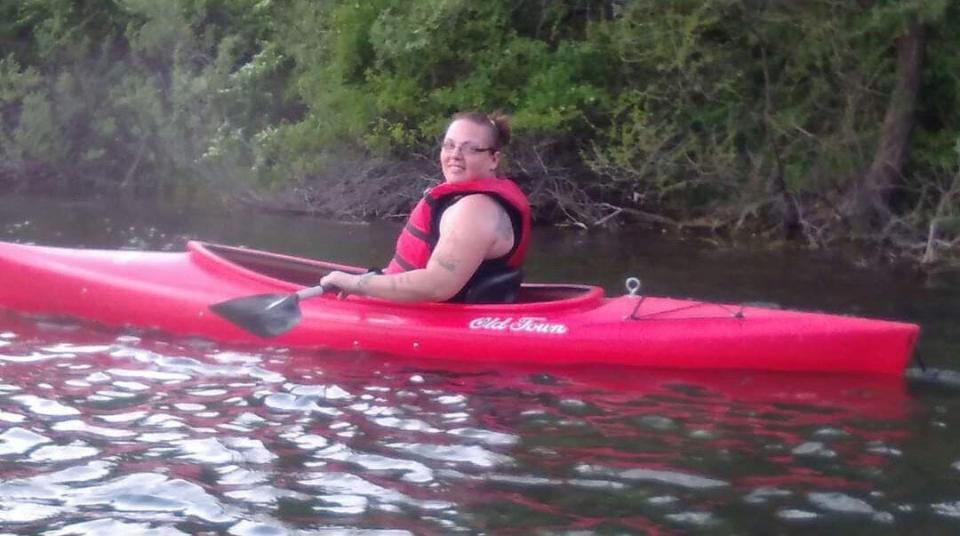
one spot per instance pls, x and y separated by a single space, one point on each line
871 196
786 202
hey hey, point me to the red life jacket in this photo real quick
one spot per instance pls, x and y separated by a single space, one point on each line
422 231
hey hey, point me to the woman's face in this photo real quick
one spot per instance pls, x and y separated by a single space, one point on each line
467 152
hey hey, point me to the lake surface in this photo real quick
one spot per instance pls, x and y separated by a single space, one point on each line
105 431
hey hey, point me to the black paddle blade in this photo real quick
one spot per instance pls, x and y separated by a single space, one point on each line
265 315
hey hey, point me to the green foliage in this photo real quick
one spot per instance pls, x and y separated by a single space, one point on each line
722 97
383 77
133 93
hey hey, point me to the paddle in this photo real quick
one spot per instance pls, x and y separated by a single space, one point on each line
266 315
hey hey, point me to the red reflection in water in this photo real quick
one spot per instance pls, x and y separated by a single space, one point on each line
663 419
744 430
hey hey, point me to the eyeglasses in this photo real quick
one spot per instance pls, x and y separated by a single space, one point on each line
466 147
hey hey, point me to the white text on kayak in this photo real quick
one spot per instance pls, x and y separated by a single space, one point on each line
531 324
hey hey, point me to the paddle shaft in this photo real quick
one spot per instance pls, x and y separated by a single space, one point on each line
309 292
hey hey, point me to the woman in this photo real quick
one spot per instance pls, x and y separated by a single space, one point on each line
466 239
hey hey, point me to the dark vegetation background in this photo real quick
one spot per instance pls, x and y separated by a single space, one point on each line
818 121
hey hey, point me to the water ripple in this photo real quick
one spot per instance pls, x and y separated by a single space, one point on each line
845 504
101 527
17 440
80 473
147 375
411 425
11 417
34 357
224 450
77 450
26 512
409 471
352 494
488 437
140 492
44 406
464 454
674 478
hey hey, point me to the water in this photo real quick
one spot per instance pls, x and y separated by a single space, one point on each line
106 431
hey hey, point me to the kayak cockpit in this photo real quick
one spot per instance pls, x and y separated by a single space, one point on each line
295 272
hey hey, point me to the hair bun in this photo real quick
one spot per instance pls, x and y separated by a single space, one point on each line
501 124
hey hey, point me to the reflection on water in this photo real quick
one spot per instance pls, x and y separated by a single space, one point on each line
108 432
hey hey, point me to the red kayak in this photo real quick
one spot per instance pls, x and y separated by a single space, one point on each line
550 323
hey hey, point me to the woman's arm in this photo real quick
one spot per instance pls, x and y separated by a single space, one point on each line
468 231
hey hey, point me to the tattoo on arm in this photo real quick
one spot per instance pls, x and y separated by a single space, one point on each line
447 263
364 280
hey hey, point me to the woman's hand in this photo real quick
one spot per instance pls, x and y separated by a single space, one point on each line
346 283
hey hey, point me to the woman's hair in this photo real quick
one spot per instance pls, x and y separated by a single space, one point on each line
498 122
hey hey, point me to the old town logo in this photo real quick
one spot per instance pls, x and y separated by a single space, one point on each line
529 324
